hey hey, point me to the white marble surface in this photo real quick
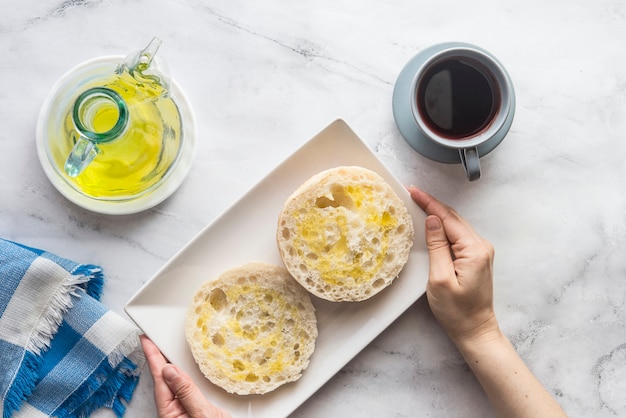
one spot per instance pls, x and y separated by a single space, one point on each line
264 77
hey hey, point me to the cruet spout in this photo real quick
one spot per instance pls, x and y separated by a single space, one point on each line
145 66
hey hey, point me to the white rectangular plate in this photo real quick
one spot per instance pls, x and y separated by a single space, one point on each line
247 232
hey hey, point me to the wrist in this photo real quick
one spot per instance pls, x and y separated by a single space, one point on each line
485 334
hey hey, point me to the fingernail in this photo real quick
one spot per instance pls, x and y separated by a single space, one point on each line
169 372
433 223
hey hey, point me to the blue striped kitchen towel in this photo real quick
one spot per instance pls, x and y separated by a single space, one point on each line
63 353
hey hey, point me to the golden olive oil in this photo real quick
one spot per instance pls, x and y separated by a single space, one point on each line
105 118
141 156
333 246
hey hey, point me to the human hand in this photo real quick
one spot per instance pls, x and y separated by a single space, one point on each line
460 282
460 294
175 394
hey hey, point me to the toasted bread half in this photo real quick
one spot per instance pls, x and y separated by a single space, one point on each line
344 234
252 329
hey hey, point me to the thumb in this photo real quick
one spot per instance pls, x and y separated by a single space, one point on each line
184 389
439 251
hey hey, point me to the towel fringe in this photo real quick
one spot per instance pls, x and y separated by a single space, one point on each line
49 323
129 348
23 384
95 279
124 396
108 386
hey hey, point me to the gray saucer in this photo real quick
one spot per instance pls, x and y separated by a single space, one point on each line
403 115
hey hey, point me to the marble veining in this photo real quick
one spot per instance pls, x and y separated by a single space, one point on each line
264 77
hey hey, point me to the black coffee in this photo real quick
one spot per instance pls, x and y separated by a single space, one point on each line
457 99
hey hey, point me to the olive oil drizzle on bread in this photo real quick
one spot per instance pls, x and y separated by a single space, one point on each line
252 330
344 234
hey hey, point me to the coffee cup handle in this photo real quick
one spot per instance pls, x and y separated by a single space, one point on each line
471 163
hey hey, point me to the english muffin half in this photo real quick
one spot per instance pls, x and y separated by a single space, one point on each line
252 329
344 234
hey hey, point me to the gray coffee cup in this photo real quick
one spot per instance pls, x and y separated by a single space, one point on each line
454 103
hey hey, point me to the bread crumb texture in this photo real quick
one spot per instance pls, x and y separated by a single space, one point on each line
344 234
252 330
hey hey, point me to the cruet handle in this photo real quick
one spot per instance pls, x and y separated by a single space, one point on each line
82 154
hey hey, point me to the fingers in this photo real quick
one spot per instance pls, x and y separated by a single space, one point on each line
162 393
429 204
439 251
155 359
457 228
189 395
182 386
175 393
